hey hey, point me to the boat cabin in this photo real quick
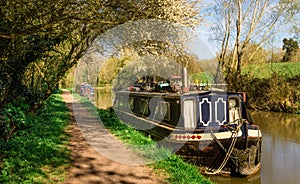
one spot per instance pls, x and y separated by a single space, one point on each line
188 111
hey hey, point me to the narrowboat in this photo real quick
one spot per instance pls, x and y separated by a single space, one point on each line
85 90
209 127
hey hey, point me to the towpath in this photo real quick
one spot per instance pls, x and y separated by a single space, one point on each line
97 156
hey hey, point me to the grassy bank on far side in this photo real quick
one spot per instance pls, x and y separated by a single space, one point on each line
37 153
269 87
289 70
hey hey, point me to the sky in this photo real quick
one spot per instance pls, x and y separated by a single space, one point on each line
204 34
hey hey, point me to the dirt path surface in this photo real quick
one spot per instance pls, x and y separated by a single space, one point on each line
91 167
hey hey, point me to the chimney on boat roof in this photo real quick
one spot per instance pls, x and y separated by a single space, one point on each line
185 87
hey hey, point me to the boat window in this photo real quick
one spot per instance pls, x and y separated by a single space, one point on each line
189 114
220 111
205 111
120 101
143 106
162 111
234 109
131 103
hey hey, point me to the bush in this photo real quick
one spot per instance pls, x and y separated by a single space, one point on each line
12 118
37 153
278 93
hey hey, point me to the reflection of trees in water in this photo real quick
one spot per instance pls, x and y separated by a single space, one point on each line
280 125
280 146
103 98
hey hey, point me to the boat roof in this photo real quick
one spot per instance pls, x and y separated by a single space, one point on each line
174 94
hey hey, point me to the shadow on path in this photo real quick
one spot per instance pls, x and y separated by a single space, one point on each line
90 167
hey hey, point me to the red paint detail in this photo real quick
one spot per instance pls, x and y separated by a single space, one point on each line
179 137
183 137
188 137
176 136
198 137
193 137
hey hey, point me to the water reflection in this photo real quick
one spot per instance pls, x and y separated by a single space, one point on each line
280 148
230 180
282 126
103 98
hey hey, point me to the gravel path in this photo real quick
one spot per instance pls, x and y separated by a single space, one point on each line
98 157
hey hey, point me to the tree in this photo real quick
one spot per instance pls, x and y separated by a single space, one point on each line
32 34
41 40
237 23
291 48
254 54
295 21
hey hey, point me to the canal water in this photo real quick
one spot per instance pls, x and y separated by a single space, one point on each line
280 148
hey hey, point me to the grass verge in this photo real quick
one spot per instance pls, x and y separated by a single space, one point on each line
38 152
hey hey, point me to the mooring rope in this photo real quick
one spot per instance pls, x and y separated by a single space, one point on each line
226 145
228 153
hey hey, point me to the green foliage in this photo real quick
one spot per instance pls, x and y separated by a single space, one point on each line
37 153
122 130
289 70
12 118
41 40
291 46
270 90
110 69
182 172
202 77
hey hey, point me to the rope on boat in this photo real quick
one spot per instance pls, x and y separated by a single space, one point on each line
232 130
228 153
